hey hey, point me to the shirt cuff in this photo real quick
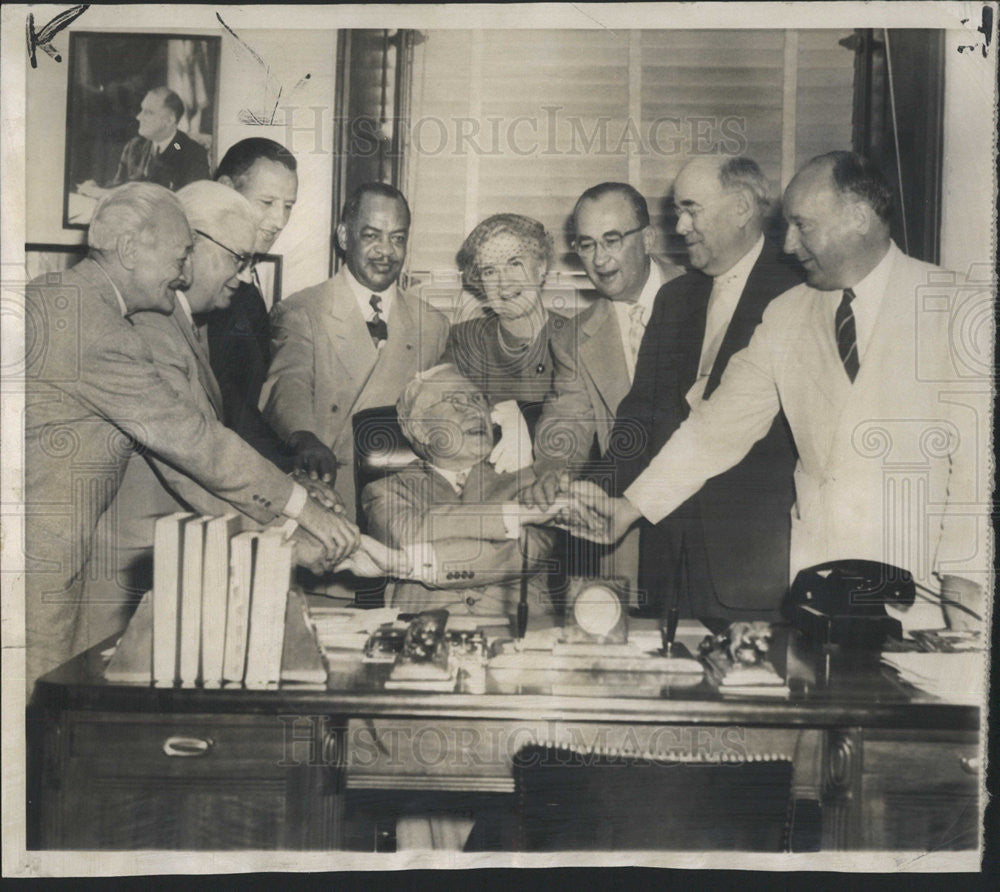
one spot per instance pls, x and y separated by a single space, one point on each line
296 501
423 562
644 502
511 520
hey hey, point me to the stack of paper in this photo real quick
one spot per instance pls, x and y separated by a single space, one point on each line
955 677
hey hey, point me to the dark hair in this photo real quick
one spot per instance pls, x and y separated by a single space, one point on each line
861 177
242 155
170 100
353 203
632 194
517 225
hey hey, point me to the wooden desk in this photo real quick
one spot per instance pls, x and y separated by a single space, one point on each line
117 766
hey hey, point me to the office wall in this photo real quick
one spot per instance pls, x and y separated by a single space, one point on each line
308 103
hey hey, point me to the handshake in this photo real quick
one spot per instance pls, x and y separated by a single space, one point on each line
327 541
579 506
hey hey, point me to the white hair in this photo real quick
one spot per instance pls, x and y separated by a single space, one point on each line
221 212
132 209
406 405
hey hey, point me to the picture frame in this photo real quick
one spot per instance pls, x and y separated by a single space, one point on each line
109 76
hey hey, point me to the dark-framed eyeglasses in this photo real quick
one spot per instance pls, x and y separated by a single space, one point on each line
610 241
243 261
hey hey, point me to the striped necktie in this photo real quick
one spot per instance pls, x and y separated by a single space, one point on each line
376 326
847 337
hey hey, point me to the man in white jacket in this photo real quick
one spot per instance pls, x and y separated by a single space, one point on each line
862 360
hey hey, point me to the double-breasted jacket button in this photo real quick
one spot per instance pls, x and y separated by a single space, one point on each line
334 408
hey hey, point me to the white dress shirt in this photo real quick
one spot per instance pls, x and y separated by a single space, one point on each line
624 309
727 289
364 296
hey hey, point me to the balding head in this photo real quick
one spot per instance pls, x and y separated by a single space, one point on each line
837 208
225 226
720 204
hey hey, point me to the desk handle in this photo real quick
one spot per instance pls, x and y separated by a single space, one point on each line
187 746
969 764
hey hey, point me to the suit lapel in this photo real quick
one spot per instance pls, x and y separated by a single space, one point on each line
602 353
205 375
348 334
383 384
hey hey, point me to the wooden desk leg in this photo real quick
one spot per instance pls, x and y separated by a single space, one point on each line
841 800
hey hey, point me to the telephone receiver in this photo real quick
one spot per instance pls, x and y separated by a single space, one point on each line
843 602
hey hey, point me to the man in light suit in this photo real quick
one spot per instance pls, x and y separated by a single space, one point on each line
457 520
94 394
862 372
120 570
351 343
734 533
596 351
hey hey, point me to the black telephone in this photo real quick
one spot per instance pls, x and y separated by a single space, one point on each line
843 602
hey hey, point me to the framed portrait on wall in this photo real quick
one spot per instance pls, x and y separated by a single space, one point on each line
139 107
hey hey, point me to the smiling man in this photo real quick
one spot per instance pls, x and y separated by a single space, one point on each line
264 172
350 343
862 371
733 535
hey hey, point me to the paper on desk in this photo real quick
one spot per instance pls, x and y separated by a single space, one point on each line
347 628
955 677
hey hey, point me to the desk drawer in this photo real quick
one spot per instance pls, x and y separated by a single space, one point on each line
180 739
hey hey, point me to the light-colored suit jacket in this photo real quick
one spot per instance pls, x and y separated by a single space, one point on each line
325 368
891 468
591 379
92 393
120 569
478 568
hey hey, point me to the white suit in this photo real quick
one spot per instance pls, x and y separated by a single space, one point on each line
891 468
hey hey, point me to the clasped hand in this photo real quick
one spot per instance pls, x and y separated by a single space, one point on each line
579 506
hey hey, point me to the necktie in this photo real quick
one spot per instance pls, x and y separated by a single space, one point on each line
635 332
460 478
376 326
847 337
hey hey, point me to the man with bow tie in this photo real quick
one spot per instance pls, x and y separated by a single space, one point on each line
733 535
350 343
864 361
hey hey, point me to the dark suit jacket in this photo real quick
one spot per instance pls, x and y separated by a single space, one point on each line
239 347
475 347
183 161
736 529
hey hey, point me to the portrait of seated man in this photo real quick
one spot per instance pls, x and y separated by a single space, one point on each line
457 520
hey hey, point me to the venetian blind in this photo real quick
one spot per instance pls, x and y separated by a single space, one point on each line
524 121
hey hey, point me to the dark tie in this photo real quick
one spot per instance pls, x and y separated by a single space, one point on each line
377 327
847 336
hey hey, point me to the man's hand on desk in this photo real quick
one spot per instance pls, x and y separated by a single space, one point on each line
313 457
596 516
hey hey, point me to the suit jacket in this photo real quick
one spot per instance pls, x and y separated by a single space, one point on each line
239 348
478 567
93 392
475 347
183 161
591 379
736 529
889 468
150 487
324 366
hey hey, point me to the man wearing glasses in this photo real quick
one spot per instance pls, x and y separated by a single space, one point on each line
733 536
595 353
224 226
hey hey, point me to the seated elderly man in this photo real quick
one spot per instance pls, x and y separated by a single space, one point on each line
456 519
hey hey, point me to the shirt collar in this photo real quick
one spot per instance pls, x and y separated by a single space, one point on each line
118 294
452 476
871 288
160 146
182 302
740 271
364 295
654 282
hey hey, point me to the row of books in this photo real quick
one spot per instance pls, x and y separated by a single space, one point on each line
218 602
